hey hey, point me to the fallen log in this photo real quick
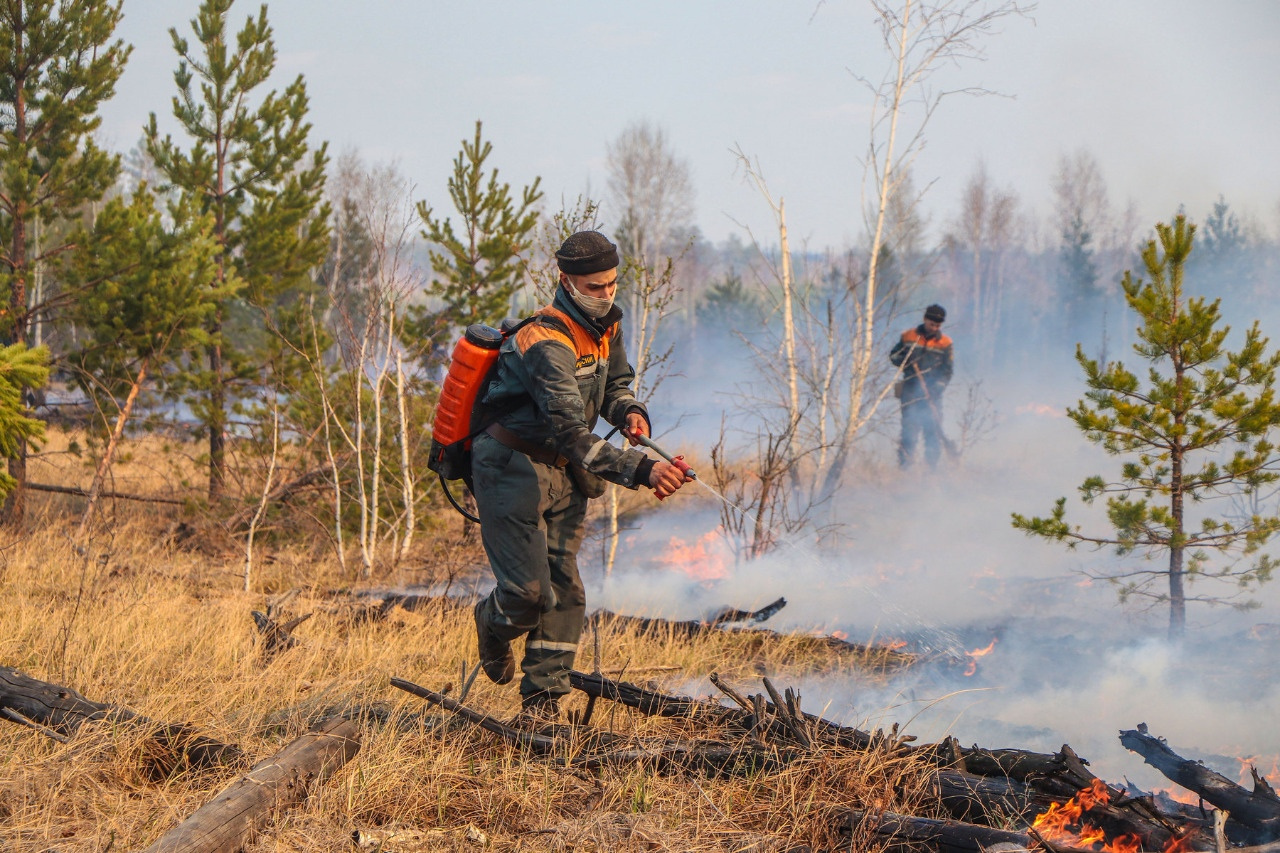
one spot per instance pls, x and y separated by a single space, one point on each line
533 741
62 711
944 836
230 820
882 657
685 628
119 496
1016 782
276 636
1258 809
600 749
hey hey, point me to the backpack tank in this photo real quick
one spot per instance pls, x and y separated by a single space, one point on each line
473 357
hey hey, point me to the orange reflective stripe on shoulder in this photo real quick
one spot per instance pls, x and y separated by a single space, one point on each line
911 336
535 333
583 343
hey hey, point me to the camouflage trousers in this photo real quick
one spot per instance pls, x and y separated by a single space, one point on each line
531 524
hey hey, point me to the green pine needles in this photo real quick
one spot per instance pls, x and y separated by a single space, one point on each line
248 164
20 369
479 265
1195 433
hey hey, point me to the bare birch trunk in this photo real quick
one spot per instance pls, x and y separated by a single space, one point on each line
611 552
406 472
366 558
266 492
788 317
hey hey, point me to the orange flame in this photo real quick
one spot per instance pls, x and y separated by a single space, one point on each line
701 560
1253 762
973 658
1063 824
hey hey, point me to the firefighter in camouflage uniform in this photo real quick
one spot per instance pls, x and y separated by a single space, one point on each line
536 466
925 358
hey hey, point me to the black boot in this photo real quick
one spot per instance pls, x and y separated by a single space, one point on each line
538 709
496 659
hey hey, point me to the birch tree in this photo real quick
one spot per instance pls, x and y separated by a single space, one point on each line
369 432
977 245
920 38
651 194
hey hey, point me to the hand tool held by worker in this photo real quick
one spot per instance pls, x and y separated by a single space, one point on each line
667 476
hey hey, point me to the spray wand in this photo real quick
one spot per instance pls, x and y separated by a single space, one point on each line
678 461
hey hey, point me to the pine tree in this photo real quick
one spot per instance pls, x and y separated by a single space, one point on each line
58 65
1198 429
1079 275
477 271
21 370
145 293
252 170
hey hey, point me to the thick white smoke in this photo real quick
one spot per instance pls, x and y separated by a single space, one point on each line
931 558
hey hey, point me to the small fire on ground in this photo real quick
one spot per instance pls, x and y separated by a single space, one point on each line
972 667
705 559
1064 825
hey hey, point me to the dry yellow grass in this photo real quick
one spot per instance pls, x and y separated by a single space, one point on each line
134 616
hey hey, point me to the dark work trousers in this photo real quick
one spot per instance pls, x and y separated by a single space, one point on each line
531 523
920 419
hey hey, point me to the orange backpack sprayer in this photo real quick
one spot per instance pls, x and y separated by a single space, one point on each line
459 416
474 356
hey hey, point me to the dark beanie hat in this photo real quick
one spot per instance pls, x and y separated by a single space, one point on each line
936 313
587 252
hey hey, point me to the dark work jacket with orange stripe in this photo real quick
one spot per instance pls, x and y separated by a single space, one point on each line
922 357
575 371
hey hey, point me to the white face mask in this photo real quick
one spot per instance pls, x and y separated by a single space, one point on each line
593 306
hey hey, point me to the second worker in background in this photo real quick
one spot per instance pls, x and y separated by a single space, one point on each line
924 354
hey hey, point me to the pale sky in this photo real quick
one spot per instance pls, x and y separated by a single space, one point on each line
1177 99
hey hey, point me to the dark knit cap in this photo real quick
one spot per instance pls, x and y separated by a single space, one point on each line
936 313
587 252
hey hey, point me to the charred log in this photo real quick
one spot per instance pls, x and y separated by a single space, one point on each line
1258 809
600 749
904 831
62 711
688 628
230 820
276 636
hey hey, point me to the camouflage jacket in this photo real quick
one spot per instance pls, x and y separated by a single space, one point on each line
558 376
926 363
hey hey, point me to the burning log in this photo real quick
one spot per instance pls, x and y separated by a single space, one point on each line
1258 810
230 820
971 783
59 711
